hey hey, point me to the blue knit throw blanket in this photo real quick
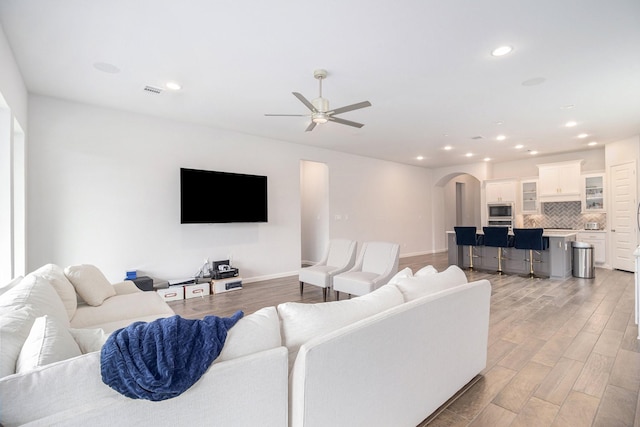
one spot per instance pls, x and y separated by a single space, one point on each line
161 359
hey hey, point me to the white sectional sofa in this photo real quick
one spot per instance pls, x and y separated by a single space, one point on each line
387 358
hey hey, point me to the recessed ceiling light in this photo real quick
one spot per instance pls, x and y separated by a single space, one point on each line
499 122
501 137
583 135
533 153
419 158
519 146
501 51
487 159
592 143
173 86
571 124
469 154
447 147
568 106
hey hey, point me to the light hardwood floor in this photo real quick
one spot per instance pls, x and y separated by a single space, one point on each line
561 352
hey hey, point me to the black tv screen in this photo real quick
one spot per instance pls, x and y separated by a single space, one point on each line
216 197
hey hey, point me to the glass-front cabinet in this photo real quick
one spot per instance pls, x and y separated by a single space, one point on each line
593 193
529 193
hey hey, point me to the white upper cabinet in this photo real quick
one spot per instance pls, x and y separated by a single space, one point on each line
529 191
593 193
500 191
560 182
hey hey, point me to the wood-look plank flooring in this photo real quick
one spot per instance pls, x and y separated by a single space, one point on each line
560 352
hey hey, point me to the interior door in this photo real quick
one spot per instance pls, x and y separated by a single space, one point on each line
624 220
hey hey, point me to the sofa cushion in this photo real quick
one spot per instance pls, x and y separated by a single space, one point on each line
48 341
405 272
37 293
120 311
89 340
419 286
7 286
56 278
425 271
89 283
301 322
253 333
14 330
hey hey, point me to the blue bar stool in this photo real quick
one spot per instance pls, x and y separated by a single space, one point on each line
467 236
531 239
497 237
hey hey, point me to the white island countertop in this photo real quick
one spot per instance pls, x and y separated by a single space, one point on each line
545 233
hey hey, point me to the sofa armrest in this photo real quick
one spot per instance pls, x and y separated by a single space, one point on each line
126 287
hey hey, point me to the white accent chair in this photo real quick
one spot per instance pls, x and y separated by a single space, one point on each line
339 257
376 265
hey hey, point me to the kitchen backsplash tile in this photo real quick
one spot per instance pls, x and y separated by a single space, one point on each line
563 215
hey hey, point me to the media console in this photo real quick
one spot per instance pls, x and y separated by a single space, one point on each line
226 285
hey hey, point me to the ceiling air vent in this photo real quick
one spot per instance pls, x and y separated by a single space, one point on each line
476 137
153 89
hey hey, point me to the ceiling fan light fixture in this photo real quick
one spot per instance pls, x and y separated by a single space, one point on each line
319 118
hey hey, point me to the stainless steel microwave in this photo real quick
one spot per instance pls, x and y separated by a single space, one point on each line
500 210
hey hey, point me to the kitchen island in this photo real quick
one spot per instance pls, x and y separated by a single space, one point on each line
553 262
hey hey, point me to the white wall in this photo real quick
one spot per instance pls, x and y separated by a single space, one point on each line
470 204
13 118
314 194
12 86
103 188
441 177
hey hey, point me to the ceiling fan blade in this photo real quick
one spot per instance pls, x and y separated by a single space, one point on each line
351 107
345 122
305 101
310 127
287 115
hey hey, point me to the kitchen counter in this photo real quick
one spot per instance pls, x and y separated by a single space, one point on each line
554 262
548 232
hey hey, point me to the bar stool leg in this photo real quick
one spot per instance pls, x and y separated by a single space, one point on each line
500 261
531 263
470 257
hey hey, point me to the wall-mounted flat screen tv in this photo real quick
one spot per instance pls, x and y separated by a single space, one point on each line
220 197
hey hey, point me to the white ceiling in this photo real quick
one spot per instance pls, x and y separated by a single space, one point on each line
424 65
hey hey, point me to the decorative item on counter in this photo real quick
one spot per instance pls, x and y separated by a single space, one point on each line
132 274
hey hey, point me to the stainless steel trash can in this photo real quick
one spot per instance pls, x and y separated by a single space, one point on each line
583 265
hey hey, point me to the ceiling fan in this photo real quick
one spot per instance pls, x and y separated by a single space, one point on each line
320 112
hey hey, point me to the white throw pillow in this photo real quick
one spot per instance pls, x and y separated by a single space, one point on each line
419 286
406 272
89 340
14 329
301 322
8 286
37 293
90 283
48 342
424 271
56 278
255 332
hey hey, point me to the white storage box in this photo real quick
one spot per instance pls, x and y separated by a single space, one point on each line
198 290
172 293
226 285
